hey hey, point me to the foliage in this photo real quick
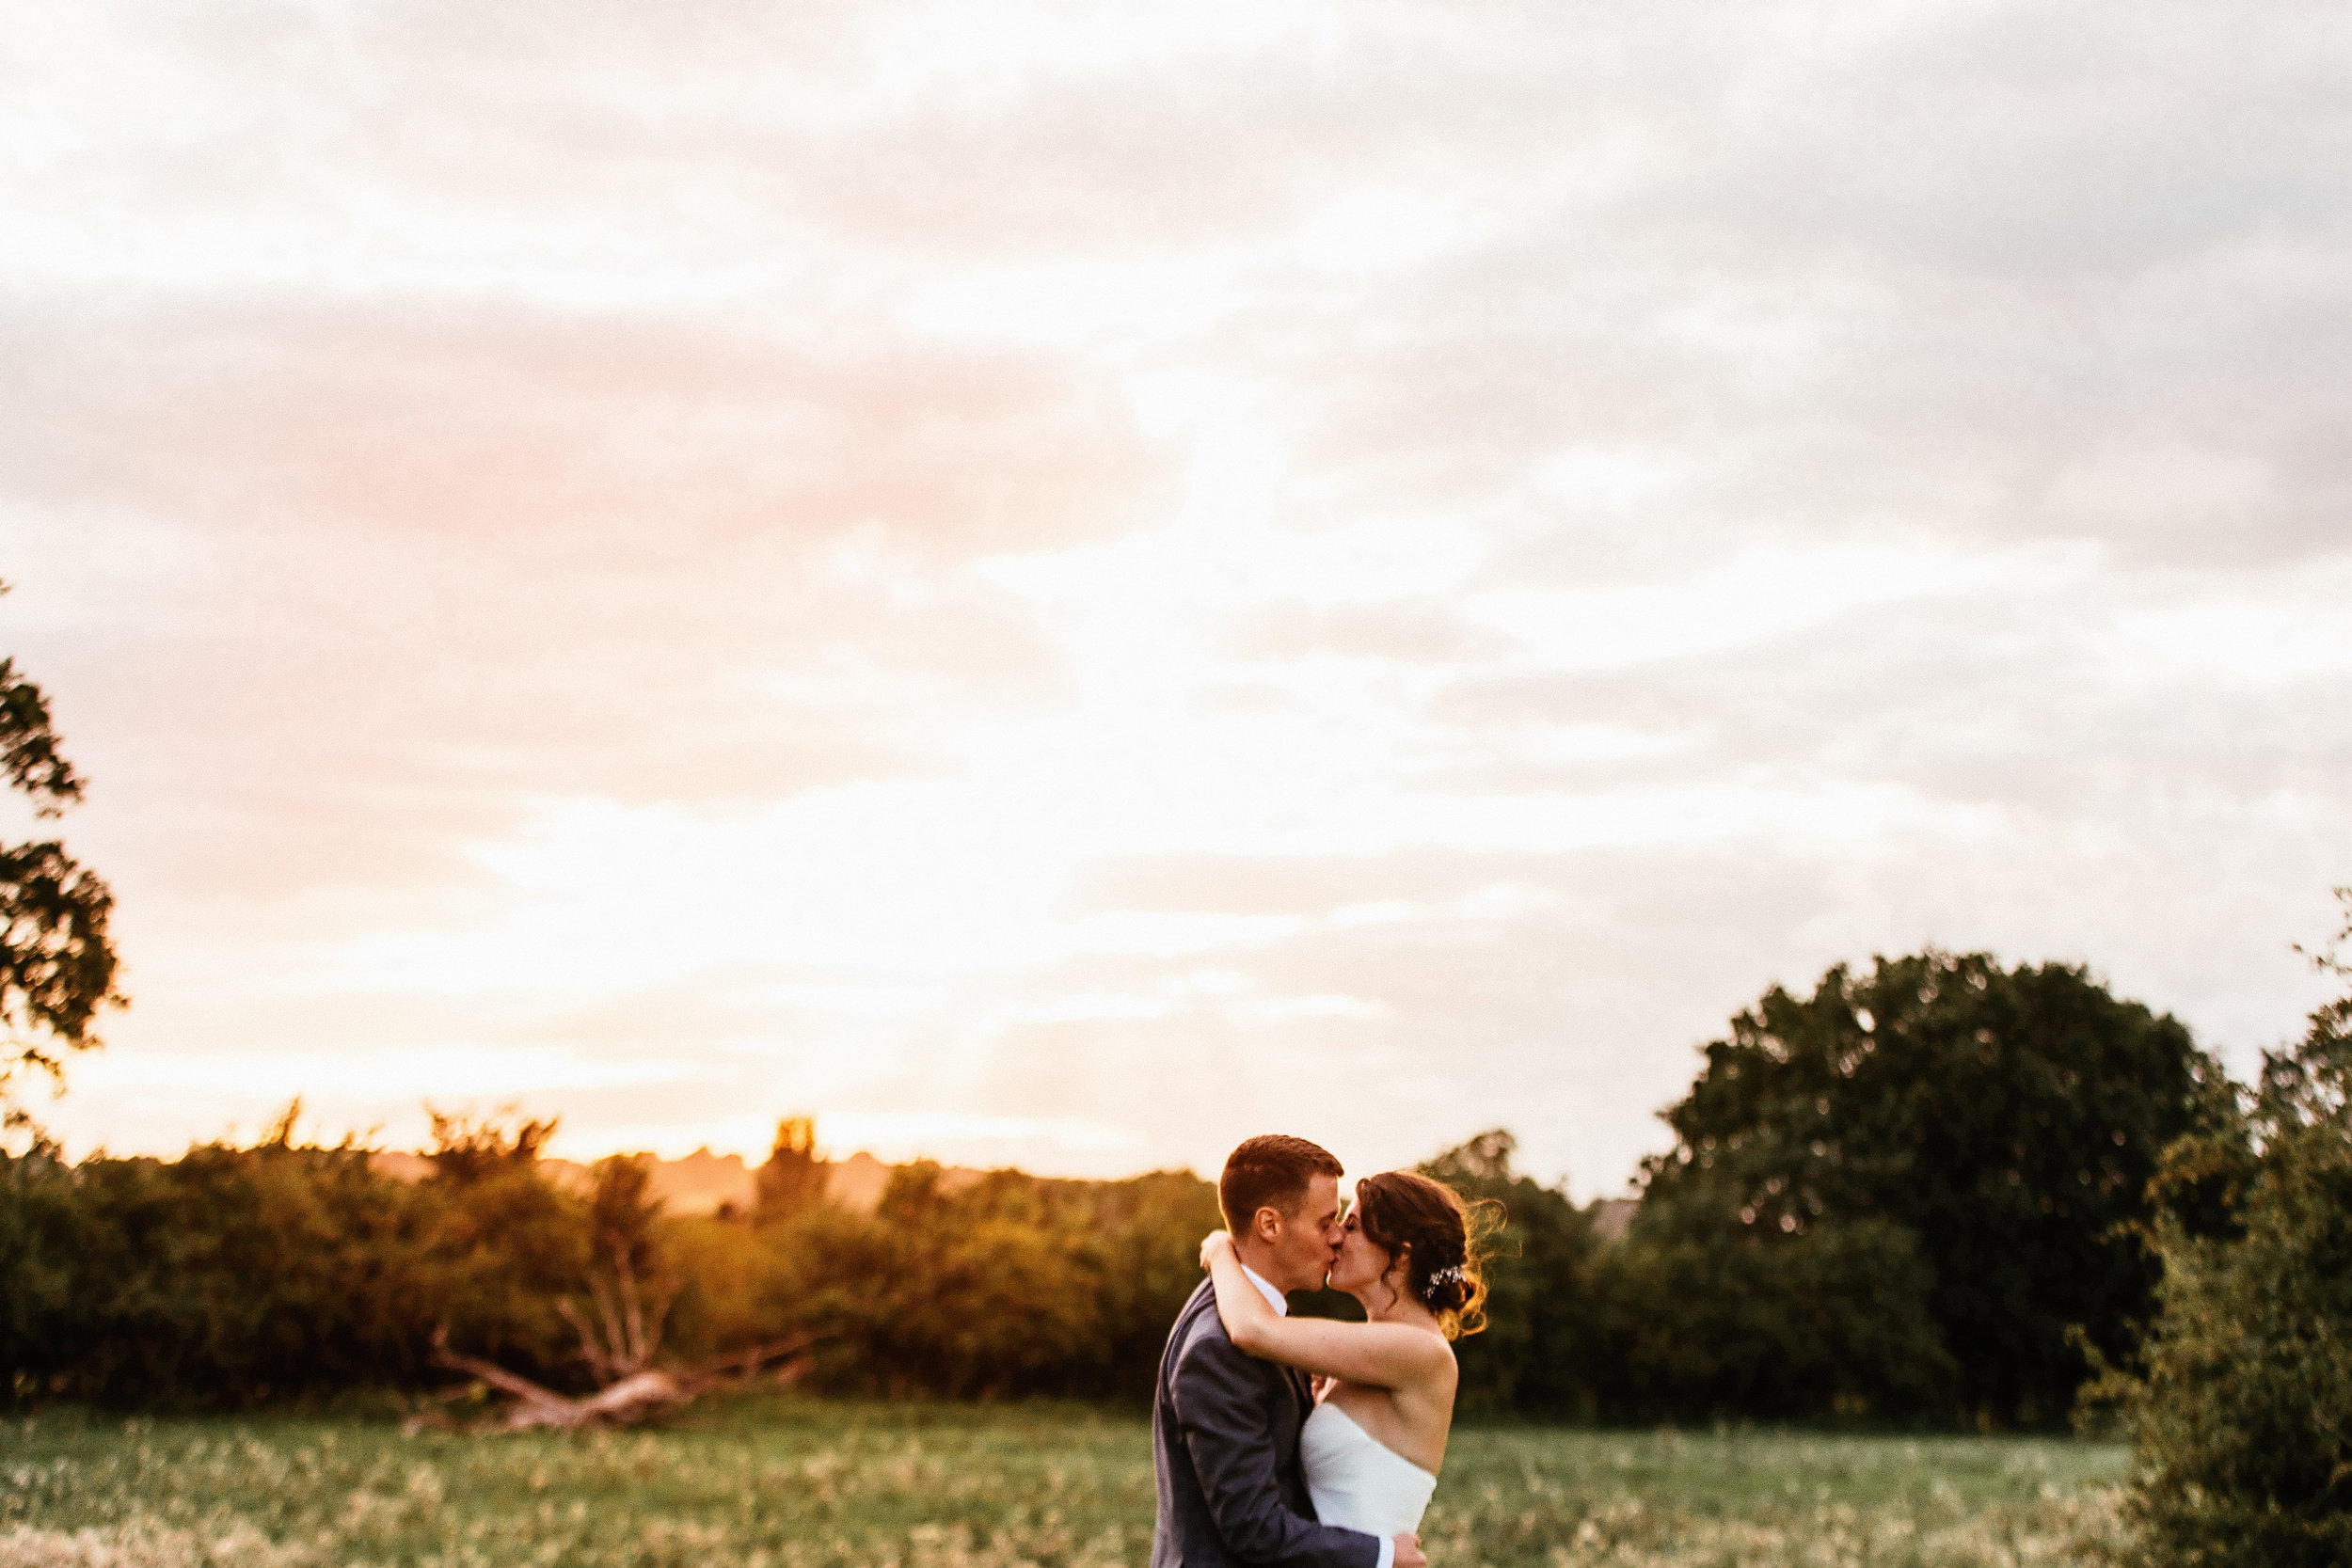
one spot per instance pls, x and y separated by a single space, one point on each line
1015 1285
145 1281
1542 1264
1828 1241
794 1175
808 1484
57 960
1953 1151
1830 1321
629 1283
232 1275
624 1217
469 1148
2242 1417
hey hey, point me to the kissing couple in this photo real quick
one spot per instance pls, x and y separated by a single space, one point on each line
1281 1441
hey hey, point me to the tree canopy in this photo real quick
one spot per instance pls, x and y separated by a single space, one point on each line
1999 1126
1535 1352
57 963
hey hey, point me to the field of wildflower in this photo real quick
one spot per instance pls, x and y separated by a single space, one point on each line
806 1484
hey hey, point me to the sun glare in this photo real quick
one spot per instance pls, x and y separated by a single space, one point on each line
1052 583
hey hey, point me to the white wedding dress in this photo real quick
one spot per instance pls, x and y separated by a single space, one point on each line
1357 1481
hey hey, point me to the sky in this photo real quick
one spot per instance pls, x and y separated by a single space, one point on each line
1061 584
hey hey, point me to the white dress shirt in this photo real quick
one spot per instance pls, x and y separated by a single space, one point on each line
1275 1298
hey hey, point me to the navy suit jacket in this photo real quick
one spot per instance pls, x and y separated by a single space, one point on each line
1225 1456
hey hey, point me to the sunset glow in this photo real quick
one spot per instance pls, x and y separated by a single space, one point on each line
1063 584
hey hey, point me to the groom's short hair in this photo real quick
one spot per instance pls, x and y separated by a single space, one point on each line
1271 1171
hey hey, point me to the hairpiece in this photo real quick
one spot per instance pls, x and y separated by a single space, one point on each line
1448 1276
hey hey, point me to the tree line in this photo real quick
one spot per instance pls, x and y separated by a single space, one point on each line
235 1275
1926 1191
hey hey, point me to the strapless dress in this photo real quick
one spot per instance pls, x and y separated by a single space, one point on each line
1357 1481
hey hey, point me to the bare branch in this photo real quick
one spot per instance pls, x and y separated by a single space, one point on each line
531 1395
588 1351
636 1309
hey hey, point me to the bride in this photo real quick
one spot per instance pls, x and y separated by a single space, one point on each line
1383 1387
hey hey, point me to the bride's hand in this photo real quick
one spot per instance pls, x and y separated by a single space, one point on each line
1212 1244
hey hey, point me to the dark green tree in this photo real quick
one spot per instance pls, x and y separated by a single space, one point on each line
1994 1130
227 1276
56 962
1706 1322
623 1213
2241 1418
629 1276
500 1248
1536 1353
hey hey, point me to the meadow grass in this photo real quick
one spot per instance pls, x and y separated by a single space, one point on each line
805 1484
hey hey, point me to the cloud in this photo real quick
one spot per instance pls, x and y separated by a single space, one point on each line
429 564
1063 584
1429 632
619 443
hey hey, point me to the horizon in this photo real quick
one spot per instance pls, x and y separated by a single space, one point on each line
307 1134
1054 586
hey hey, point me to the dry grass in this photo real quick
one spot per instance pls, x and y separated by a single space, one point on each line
806 1484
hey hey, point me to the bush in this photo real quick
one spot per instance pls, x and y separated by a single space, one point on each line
227 1276
232 1276
1017 1285
2241 1419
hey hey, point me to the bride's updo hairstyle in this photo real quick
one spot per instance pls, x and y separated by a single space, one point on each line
1399 1210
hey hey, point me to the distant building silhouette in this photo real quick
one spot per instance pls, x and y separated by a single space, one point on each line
1612 1216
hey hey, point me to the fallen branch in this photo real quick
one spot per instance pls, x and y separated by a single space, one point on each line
629 1401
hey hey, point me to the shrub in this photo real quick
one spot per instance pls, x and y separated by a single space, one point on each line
2241 1418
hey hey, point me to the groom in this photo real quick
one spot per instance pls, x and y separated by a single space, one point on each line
1224 1425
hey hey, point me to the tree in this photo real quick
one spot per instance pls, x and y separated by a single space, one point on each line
1833 1320
56 961
469 1148
631 1286
1999 1125
501 1247
794 1175
2241 1419
1534 1354
628 1274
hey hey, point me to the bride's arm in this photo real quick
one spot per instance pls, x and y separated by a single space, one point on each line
1380 1356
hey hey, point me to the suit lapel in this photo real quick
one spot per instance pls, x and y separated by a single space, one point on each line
1302 1392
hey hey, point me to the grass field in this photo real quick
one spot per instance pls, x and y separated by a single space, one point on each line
811 1484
